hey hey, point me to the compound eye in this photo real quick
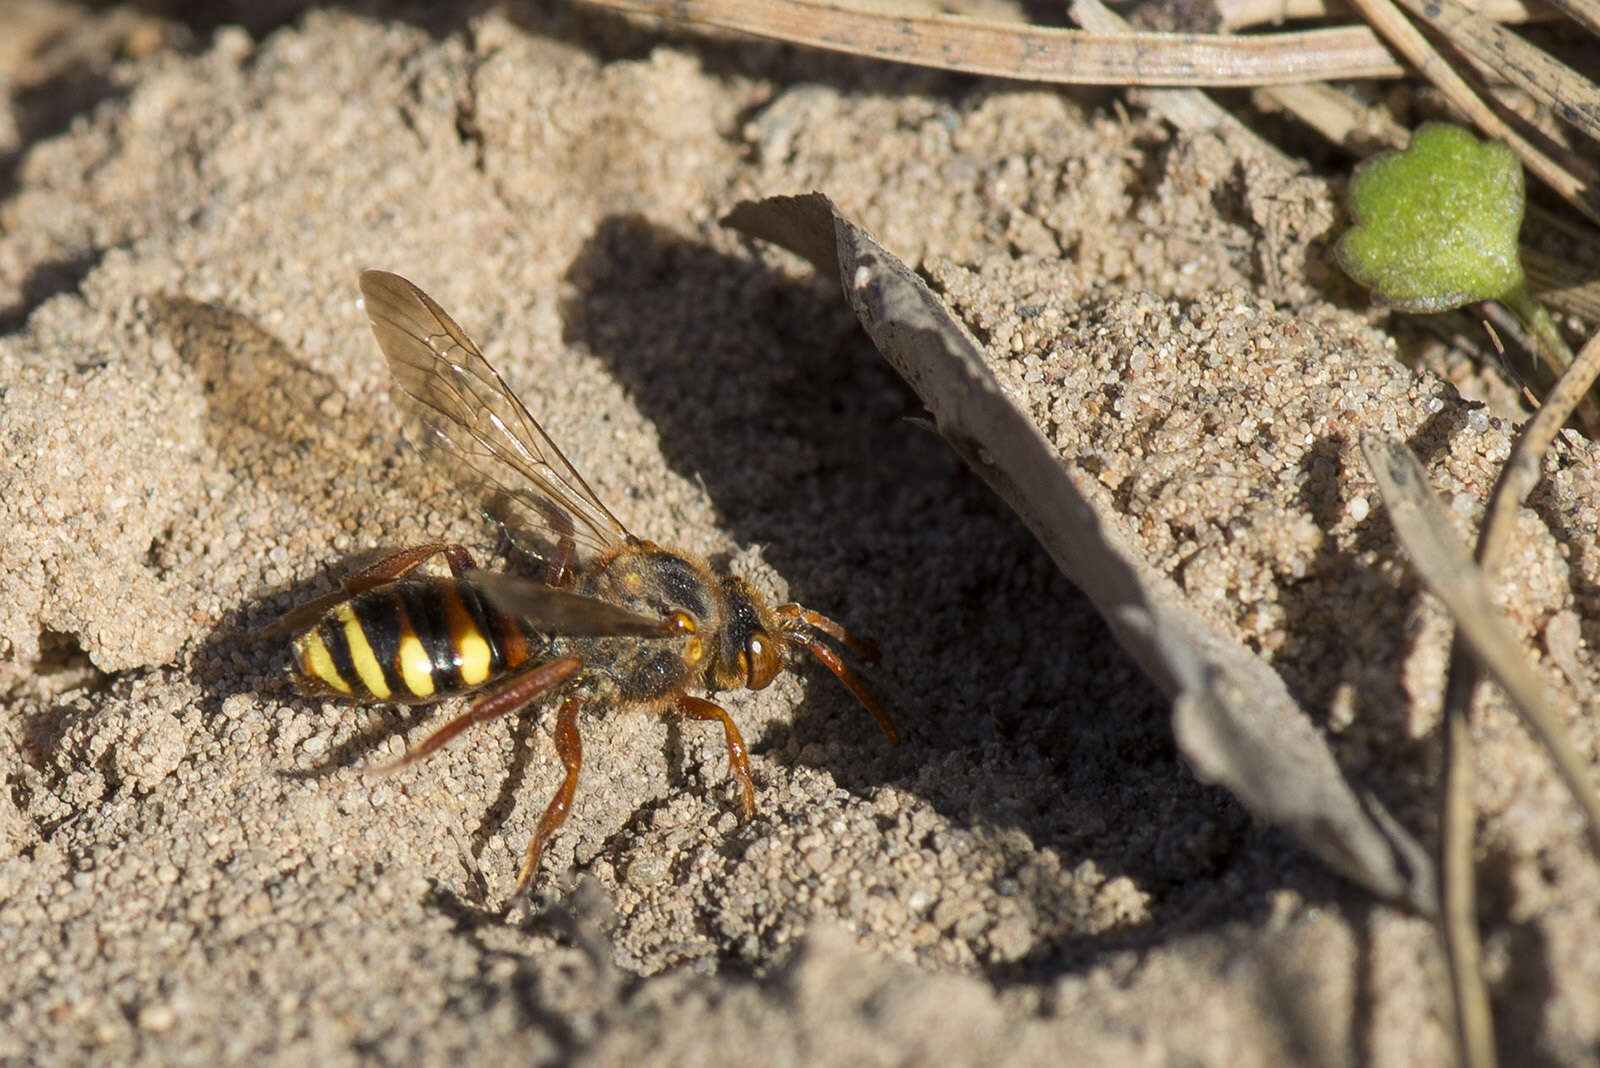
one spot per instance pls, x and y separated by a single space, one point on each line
760 660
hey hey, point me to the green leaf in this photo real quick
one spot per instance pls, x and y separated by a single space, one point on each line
1436 225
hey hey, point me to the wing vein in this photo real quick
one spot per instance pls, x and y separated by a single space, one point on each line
459 408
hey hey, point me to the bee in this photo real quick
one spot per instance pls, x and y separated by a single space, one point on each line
617 623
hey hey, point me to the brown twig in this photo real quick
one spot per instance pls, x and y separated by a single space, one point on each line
1241 14
1567 93
1395 28
1585 13
1041 53
1458 909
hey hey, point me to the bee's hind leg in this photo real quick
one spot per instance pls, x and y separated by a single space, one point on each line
402 563
569 746
390 568
516 694
559 574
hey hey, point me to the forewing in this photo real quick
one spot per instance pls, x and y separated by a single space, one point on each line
458 405
554 611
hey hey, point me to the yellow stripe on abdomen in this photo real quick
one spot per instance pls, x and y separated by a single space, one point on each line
471 647
366 664
415 667
316 665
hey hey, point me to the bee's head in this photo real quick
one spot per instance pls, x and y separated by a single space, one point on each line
752 642
755 636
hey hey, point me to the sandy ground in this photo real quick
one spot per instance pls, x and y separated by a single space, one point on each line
195 865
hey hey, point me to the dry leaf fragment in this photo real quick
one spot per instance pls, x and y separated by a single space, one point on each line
1233 716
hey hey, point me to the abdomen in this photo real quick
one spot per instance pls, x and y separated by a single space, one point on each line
419 639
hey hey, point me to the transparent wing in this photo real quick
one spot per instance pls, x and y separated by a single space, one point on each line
459 406
554 611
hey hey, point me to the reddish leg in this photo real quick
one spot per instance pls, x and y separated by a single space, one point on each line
860 646
406 561
560 573
830 660
388 569
514 695
570 748
738 756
